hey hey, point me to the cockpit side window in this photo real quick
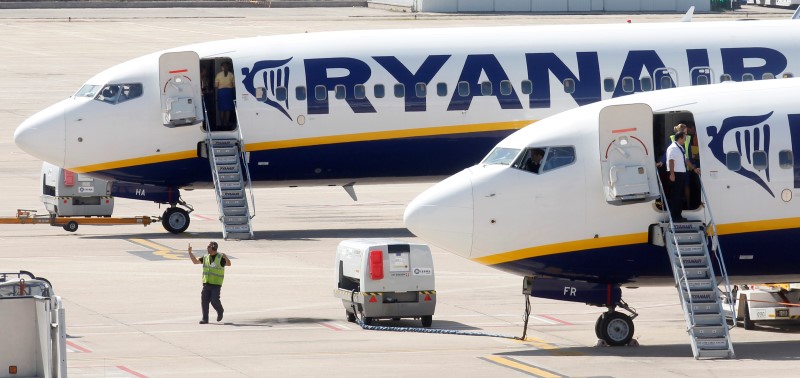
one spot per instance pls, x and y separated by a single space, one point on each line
544 159
119 93
87 90
501 156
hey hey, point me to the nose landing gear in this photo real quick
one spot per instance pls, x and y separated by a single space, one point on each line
615 328
176 219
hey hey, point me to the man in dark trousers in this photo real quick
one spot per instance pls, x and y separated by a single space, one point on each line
676 166
213 273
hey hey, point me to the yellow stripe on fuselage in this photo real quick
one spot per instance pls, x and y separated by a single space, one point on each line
621 240
315 141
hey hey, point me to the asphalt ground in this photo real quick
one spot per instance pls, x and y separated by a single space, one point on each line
132 295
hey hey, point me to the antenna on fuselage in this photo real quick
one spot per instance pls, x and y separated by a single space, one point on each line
688 16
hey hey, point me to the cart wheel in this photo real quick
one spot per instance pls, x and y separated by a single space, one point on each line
71 226
368 320
351 317
427 321
175 220
748 323
396 319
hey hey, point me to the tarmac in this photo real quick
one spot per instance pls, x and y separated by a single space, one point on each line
132 295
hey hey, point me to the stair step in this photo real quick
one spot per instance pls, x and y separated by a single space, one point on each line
216 143
692 250
694 261
223 169
697 273
237 219
232 194
239 235
705 308
230 185
708 332
233 202
713 343
226 160
689 237
708 319
229 176
698 285
234 211
714 353
704 296
237 228
226 151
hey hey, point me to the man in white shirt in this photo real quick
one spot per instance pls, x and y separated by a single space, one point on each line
676 166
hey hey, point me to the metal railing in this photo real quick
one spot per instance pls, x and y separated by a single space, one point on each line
717 250
245 162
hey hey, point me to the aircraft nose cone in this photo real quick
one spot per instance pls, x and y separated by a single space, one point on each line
43 134
442 215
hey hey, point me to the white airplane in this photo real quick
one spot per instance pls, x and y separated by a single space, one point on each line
586 223
339 108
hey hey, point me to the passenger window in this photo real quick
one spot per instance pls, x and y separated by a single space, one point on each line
760 160
360 91
421 90
627 84
399 90
702 80
569 86
666 82
441 89
340 92
748 77
608 84
786 159
320 92
505 88
129 92
379 91
486 88
300 93
526 87
558 157
733 161
725 77
463 88
280 93
647 83
767 76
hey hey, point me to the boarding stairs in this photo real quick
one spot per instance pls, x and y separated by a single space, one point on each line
231 181
688 247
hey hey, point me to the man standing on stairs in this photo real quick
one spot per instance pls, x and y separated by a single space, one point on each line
676 166
213 273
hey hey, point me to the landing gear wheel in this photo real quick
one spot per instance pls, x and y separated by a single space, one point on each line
351 317
748 324
175 220
427 321
616 328
598 326
71 226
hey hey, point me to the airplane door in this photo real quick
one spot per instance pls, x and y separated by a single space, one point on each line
626 154
181 96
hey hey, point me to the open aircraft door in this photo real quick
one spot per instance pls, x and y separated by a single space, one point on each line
626 154
181 96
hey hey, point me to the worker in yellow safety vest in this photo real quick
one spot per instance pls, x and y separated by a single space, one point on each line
213 274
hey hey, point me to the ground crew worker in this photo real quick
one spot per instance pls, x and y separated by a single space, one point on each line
213 273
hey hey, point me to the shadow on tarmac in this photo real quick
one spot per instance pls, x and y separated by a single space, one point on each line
338 233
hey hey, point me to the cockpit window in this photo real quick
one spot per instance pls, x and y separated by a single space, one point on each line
501 156
87 90
543 159
119 93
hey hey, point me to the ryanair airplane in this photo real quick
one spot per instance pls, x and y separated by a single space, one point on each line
591 218
339 108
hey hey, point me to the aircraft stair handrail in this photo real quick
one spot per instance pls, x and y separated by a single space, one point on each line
717 247
688 305
211 162
246 166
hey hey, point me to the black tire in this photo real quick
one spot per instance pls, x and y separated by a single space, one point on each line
427 321
396 319
368 320
71 226
175 220
616 329
351 317
748 324
598 325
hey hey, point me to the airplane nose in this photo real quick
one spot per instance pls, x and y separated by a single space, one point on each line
442 215
43 135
